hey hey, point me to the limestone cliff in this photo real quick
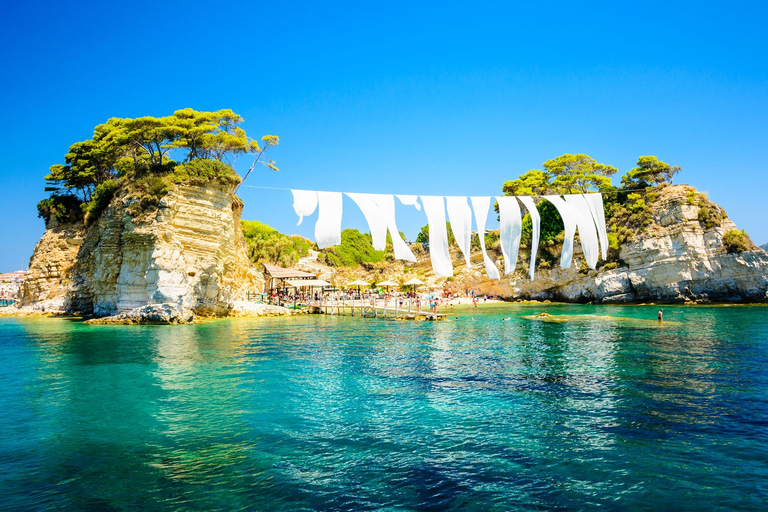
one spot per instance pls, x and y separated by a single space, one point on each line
185 258
50 268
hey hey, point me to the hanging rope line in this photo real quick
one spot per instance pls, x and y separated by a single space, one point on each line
589 192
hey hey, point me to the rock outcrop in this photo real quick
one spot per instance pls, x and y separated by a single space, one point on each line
187 258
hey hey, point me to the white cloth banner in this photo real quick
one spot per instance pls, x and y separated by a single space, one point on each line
530 205
595 202
410 201
511 229
586 226
584 212
480 205
377 222
434 207
379 211
328 226
304 203
386 205
569 220
460 217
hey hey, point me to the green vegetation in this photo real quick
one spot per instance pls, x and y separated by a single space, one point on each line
62 207
267 245
735 241
627 208
551 225
133 156
578 173
356 248
649 171
102 195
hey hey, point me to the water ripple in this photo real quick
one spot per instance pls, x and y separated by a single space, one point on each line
339 413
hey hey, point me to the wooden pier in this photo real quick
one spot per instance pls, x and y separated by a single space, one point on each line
373 308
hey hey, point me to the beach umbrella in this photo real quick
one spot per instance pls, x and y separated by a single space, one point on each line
413 282
388 283
358 283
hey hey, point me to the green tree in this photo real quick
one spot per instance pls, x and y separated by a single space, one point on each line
565 174
550 226
649 171
212 135
87 164
534 182
578 173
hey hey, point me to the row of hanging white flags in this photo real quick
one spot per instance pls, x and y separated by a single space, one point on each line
578 211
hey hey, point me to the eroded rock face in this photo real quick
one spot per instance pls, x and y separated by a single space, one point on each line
677 259
188 256
50 268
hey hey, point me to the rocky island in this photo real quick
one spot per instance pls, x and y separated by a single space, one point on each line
151 241
135 237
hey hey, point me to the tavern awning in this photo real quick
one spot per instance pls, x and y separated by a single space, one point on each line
276 272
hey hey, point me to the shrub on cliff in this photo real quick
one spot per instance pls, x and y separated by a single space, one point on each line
102 196
202 171
64 208
268 245
735 241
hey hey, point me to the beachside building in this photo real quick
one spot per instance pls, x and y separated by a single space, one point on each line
279 277
10 284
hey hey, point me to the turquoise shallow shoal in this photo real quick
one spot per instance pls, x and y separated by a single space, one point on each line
339 413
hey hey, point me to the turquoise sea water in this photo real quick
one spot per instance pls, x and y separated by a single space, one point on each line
341 413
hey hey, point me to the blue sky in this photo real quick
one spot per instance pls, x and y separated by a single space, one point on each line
432 98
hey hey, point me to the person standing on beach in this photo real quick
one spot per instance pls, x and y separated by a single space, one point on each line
661 315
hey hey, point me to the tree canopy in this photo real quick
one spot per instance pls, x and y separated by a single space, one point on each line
532 183
139 146
566 174
649 171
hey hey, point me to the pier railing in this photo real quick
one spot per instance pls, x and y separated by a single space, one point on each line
356 304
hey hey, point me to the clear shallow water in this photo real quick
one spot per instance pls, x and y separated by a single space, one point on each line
340 413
